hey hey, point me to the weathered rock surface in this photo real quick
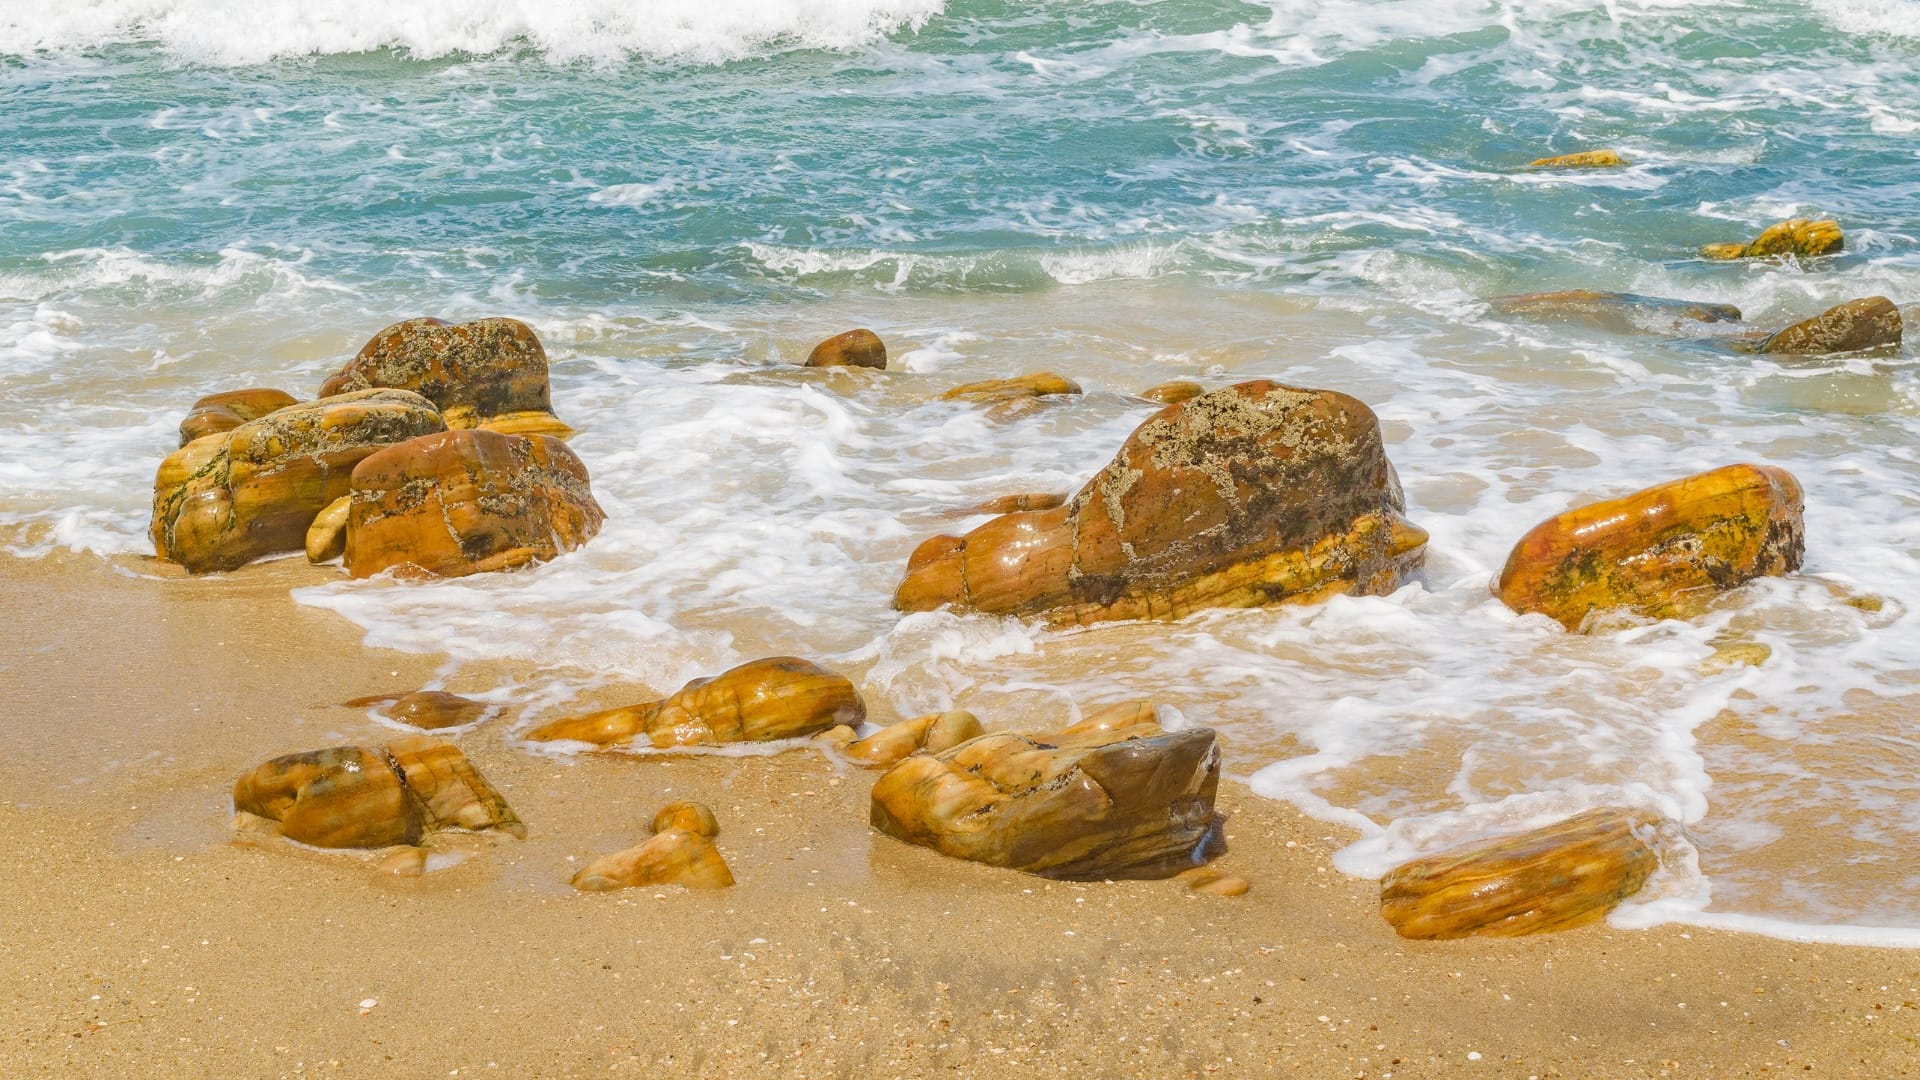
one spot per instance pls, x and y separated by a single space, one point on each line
931 733
428 710
1620 313
1079 804
671 857
1556 878
467 502
1872 323
855 348
327 536
216 413
356 797
1586 159
781 697
1662 552
489 373
1254 494
228 498
1797 236
1172 393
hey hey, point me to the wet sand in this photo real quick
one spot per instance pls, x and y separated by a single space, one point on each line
143 939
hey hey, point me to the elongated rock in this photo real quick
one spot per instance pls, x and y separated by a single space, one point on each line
489 373
1662 552
855 348
428 710
216 413
781 697
327 535
1556 878
1586 159
998 391
467 502
1172 393
1797 236
226 499
931 733
1254 494
353 796
1620 313
1872 323
1007 504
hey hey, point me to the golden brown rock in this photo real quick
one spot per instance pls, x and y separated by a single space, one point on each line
1662 552
1556 878
1872 323
1211 881
693 817
781 697
428 710
224 500
1172 393
997 391
1008 504
351 796
1135 806
217 413
489 373
1620 313
855 348
1798 236
1254 494
1586 159
467 502
673 857
931 733
327 536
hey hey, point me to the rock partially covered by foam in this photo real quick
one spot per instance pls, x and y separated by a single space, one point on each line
1089 802
428 710
1617 312
1556 878
1801 237
228 498
217 413
680 852
780 697
1254 494
855 348
1857 325
926 734
357 797
1663 552
1586 159
1007 399
468 502
489 373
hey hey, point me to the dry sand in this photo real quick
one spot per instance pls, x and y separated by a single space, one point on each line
141 939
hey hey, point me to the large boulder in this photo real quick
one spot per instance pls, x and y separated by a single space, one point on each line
780 697
216 413
1254 494
360 797
467 502
1616 312
680 852
1663 552
1586 159
1872 323
1556 878
855 348
1090 802
489 373
228 498
1801 237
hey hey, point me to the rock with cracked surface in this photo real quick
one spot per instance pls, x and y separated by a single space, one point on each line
1254 494
1855 326
1663 552
1616 312
429 710
855 348
781 697
222 412
468 502
489 373
926 734
1800 237
357 797
1586 159
1565 875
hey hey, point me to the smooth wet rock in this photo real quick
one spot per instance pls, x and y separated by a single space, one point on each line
690 817
1663 552
1009 504
1254 494
1857 325
327 536
1800 237
1616 312
930 734
489 373
1137 805
428 710
217 413
360 797
225 499
1586 159
855 348
402 861
1172 393
673 857
1212 881
1007 399
781 697
1556 878
468 502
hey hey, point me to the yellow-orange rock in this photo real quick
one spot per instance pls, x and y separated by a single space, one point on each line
1008 399
1586 159
1872 323
931 733
1663 552
226 499
1556 878
1135 805
690 817
216 413
467 502
489 373
673 857
428 710
855 348
327 535
1172 393
1008 504
1797 236
1620 313
352 796
1254 494
781 697
1212 881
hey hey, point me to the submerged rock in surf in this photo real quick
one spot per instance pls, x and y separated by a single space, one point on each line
222 412
1254 494
1172 393
1855 326
1620 313
428 710
468 502
489 373
1586 159
1663 552
781 697
680 852
927 734
1800 237
1007 399
855 348
356 797
1556 878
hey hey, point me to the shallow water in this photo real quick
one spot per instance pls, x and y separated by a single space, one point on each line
681 200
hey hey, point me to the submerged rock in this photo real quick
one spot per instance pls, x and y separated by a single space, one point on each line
1620 313
680 852
428 710
1798 236
1172 393
930 734
228 498
1662 552
1556 878
1254 494
1586 159
855 348
489 373
356 797
1007 399
216 413
781 697
1872 323
467 502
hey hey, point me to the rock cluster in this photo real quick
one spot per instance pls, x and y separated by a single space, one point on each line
360 797
1800 237
489 373
781 697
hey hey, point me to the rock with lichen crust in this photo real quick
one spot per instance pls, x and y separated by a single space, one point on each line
781 697
489 373
1254 494
356 797
1801 237
1855 326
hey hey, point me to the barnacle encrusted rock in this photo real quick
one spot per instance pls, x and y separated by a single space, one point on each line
1254 494
780 697
855 348
1586 159
1662 552
360 797
680 852
1620 313
1796 236
1871 323
929 734
489 373
216 413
